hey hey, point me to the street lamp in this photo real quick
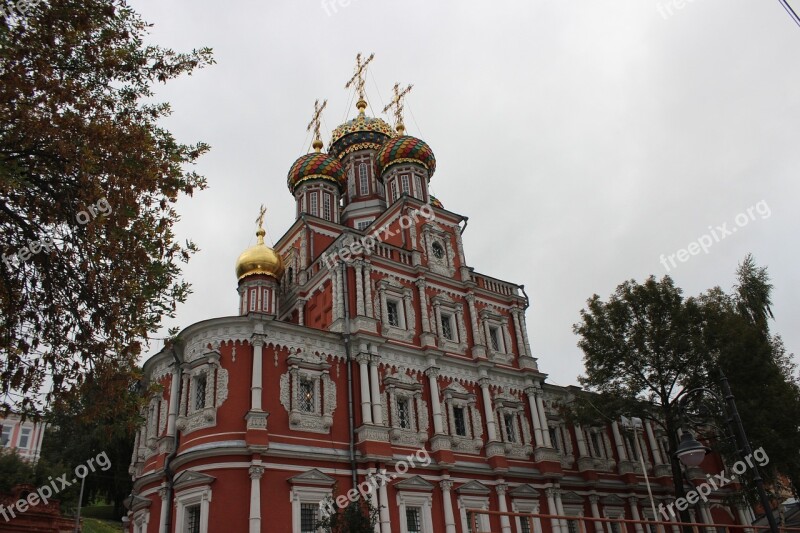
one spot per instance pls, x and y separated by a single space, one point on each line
691 453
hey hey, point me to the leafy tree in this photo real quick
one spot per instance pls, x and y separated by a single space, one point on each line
88 184
359 516
14 470
761 374
88 424
640 348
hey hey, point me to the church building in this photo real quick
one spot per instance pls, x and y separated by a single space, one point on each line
365 347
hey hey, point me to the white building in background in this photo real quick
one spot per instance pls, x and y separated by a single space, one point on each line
25 437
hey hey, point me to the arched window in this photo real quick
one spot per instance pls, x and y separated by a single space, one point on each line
363 179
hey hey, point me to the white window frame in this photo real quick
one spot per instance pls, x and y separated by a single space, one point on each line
326 206
301 495
415 499
363 179
419 192
405 184
528 507
313 203
399 304
614 513
187 498
474 502
449 316
8 431
361 225
393 190
465 418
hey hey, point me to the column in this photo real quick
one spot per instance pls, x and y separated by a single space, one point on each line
740 512
582 452
473 318
543 418
623 456
488 411
386 525
258 364
598 525
377 399
705 515
407 306
653 443
359 270
560 507
256 471
551 509
368 288
518 332
436 406
363 377
162 521
635 513
505 524
173 401
537 421
301 307
337 289
524 328
423 305
449 518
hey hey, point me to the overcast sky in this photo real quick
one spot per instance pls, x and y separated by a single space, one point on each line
583 138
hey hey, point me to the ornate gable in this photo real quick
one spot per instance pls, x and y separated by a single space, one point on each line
473 487
414 483
190 478
312 477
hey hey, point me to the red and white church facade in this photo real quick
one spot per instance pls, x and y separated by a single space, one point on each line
351 365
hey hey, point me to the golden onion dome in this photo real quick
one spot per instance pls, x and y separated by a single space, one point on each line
259 259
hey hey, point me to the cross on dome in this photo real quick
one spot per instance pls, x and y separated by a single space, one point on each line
358 80
397 103
315 122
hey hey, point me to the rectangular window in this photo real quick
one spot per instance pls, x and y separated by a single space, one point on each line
308 517
613 526
447 326
326 206
404 184
193 519
252 299
5 436
554 438
364 224
459 422
351 183
265 299
306 395
200 391
393 191
595 439
363 179
403 413
494 339
393 313
510 433
525 524
413 522
418 186
572 526
25 438
313 200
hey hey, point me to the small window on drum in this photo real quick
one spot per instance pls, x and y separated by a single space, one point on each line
363 179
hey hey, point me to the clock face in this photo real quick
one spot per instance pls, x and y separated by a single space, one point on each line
438 251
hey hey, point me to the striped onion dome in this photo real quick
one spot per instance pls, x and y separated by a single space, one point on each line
316 165
406 149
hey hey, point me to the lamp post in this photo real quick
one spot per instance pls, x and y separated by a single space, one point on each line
690 452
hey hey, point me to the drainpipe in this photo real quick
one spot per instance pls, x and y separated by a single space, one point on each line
168 473
464 227
527 300
347 350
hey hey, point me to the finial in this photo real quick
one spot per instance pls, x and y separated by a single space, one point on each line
358 80
315 121
260 221
397 104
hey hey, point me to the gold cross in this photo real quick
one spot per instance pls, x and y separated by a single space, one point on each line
358 76
315 120
397 103
260 219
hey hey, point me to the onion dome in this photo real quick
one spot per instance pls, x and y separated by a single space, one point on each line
406 149
360 133
435 202
259 259
316 165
